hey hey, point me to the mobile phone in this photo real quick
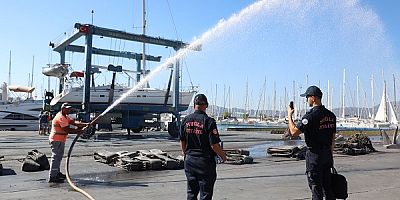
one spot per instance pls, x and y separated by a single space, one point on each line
291 105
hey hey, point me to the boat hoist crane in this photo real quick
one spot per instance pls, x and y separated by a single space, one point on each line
134 114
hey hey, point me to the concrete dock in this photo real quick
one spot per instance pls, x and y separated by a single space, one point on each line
370 177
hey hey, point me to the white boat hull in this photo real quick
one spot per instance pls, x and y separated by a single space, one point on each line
142 97
16 125
23 116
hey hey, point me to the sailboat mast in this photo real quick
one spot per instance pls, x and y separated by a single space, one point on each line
394 93
294 98
358 97
33 67
229 101
285 97
299 91
384 96
372 96
212 99
327 97
280 108
305 105
265 93
331 99
215 101
144 33
223 109
30 95
386 100
247 95
9 70
344 93
274 100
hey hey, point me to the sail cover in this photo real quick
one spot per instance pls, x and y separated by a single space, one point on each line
17 88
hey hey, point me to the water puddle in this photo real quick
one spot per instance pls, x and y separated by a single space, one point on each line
375 139
259 151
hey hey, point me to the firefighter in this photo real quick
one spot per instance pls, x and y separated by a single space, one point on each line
199 141
319 128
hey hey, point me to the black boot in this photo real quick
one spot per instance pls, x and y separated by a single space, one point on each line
61 175
56 180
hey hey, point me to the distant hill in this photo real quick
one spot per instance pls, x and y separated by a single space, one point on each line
350 111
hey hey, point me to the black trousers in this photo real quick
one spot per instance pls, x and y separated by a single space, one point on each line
318 170
201 175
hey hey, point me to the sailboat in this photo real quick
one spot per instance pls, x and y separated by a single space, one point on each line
351 123
19 113
385 116
143 97
105 95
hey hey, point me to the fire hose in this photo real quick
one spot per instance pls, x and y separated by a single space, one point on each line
76 188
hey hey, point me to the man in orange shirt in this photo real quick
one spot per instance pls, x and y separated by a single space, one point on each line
59 131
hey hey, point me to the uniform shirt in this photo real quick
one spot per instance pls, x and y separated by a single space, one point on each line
318 126
59 122
200 132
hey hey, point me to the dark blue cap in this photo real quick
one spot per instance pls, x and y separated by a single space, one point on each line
200 99
312 91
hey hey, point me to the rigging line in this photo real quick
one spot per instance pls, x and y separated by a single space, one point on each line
115 47
72 58
351 95
180 73
366 110
123 49
109 57
69 57
97 57
119 49
259 99
147 62
58 37
96 76
173 21
48 55
187 71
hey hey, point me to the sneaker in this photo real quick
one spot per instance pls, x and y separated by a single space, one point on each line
61 175
56 180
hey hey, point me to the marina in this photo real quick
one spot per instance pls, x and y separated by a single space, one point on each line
130 82
279 178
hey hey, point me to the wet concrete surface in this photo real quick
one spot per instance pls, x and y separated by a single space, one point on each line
372 176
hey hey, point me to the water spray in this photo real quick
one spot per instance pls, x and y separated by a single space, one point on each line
218 29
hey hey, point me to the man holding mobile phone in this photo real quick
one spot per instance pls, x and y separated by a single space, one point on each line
319 128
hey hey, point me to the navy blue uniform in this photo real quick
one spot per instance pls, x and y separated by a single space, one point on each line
318 126
199 131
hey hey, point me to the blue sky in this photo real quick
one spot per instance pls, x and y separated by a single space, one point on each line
284 42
